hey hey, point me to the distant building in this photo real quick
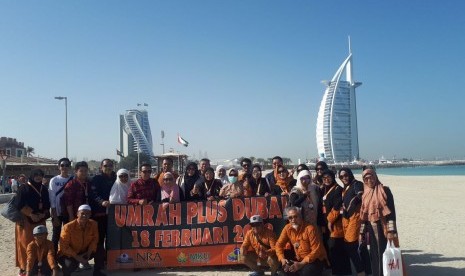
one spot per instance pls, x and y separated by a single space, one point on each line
336 128
11 147
135 132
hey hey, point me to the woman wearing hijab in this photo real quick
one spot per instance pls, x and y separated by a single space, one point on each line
169 189
333 235
258 182
320 167
220 174
378 217
208 189
306 195
33 201
233 189
284 181
351 203
119 190
187 181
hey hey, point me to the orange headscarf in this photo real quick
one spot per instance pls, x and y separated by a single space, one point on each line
374 205
283 183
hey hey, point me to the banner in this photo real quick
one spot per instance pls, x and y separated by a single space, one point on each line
194 233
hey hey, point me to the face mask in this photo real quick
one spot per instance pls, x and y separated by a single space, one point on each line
232 179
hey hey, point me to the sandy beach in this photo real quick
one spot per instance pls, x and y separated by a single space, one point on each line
430 222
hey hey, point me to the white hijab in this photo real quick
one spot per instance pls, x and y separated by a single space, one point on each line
224 180
311 186
119 190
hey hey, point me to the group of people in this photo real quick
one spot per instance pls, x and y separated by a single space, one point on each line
329 226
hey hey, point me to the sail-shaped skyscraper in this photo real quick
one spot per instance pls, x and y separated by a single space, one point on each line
135 132
336 128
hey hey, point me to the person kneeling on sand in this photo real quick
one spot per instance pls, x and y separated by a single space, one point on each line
41 254
308 253
78 242
262 240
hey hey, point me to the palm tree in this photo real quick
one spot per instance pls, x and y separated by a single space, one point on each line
29 151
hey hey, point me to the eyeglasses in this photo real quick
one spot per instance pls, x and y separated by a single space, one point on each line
327 177
147 171
368 176
168 179
283 171
124 175
64 165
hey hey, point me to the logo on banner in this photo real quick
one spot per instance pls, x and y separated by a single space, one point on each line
201 257
234 256
124 259
182 258
149 257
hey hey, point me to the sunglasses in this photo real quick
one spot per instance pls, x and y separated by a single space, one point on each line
292 217
343 176
108 166
65 165
282 171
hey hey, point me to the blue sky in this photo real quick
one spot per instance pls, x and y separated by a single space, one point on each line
234 78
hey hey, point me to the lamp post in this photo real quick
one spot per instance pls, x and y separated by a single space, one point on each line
66 120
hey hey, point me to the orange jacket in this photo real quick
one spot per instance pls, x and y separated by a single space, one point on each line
351 227
268 237
46 251
335 218
74 240
307 243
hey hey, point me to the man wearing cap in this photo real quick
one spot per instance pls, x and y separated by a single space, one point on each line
78 242
41 254
262 240
308 253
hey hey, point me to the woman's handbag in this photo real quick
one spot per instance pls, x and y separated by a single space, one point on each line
10 210
392 261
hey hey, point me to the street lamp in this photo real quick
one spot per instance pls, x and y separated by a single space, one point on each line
66 120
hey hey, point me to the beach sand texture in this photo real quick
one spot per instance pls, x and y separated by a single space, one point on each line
430 220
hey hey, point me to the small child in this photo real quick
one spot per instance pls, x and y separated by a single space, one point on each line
41 254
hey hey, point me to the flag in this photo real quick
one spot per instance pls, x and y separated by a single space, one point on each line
119 153
182 141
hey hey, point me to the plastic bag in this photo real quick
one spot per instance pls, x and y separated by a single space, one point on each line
392 261
10 211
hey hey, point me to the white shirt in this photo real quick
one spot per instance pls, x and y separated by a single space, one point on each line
55 184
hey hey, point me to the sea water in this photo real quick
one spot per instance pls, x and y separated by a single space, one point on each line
423 170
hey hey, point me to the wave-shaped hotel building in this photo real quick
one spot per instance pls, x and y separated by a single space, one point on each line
135 132
336 128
